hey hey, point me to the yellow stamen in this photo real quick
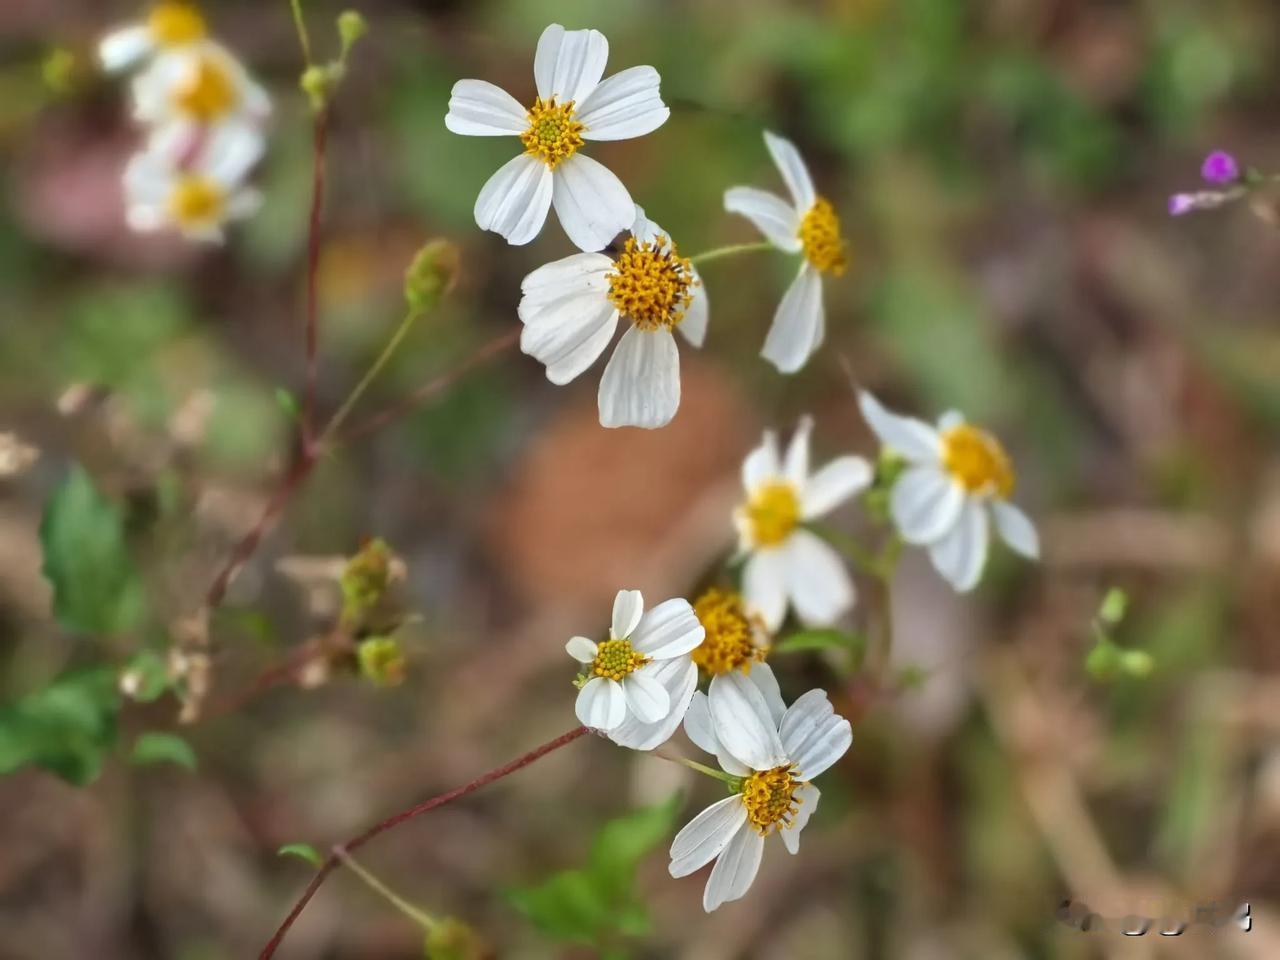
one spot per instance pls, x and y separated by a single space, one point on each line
769 796
173 24
553 134
730 643
977 461
209 93
772 513
196 201
651 284
615 659
820 234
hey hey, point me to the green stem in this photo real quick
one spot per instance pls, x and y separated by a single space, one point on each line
370 375
303 38
700 767
377 886
731 250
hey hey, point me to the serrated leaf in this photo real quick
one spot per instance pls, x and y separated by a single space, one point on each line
65 728
822 639
156 747
96 589
304 850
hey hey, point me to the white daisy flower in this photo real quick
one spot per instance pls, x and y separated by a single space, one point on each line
776 752
788 563
199 196
168 26
195 87
570 309
958 476
630 676
572 106
807 225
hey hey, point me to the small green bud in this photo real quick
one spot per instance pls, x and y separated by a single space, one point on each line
382 662
431 274
351 27
315 83
451 939
1103 661
59 70
1113 608
366 579
1137 663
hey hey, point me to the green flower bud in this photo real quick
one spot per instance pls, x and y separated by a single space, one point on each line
431 274
1137 663
1103 661
59 70
351 27
451 939
382 662
1113 607
367 577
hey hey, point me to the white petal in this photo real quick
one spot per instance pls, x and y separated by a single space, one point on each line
833 485
567 335
694 324
592 204
581 649
230 151
817 582
794 172
961 554
478 108
668 630
580 273
925 503
743 723
628 606
762 676
814 735
601 704
807 799
569 63
515 200
646 696
702 731
703 837
680 679
772 216
950 420
761 465
911 438
641 384
1016 529
764 585
626 105
798 323
795 467
735 869
125 47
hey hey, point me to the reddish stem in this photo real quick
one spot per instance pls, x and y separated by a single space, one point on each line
432 388
353 844
320 140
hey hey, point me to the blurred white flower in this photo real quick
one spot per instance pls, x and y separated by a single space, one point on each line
168 26
776 752
572 106
197 197
16 456
807 225
957 477
570 309
788 563
641 672
187 91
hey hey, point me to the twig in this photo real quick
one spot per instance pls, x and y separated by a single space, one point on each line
344 849
320 140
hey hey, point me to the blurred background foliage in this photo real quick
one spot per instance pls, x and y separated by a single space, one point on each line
1001 169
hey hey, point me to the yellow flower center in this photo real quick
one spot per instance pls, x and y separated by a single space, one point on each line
209 93
173 24
196 201
773 512
820 234
615 659
977 461
553 134
652 284
730 642
769 796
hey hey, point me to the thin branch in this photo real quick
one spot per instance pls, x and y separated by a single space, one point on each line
320 140
344 849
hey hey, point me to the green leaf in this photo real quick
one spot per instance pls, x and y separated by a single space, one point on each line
288 403
65 728
96 589
304 850
151 748
622 843
822 639
149 675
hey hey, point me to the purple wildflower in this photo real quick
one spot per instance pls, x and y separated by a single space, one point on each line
1220 167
